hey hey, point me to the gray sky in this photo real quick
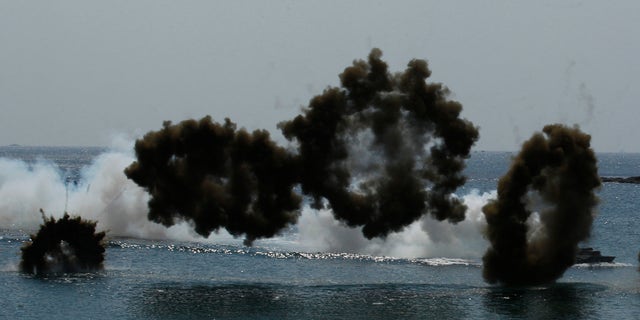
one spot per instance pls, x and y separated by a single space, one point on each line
80 72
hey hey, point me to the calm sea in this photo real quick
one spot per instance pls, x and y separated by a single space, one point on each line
316 270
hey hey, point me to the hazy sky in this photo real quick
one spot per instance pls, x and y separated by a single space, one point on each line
80 72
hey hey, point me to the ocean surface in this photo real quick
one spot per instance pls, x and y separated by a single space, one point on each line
317 269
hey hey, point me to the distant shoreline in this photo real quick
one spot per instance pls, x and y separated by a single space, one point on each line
633 180
52 147
514 152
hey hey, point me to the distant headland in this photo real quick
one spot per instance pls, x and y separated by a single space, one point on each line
635 180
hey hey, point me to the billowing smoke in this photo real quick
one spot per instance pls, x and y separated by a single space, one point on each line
552 180
217 177
427 237
381 151
384 149
101 192
62 246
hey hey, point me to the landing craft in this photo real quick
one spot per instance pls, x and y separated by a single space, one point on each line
588 255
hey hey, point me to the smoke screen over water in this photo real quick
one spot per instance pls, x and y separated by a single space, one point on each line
381 151
558 172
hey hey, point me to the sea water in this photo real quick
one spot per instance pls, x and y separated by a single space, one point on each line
316 270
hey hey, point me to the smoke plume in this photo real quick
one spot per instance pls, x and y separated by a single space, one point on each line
384 149
216 177
380 152
425 238
100 192
552 180
64 245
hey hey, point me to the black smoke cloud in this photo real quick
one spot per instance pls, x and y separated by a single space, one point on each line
560 169
62 246
217 177
410 129
381 151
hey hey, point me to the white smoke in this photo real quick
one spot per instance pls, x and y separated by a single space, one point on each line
104 194
25 189
319 231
